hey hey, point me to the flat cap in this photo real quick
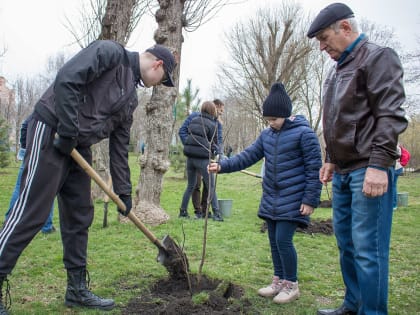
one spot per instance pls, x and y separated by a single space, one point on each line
328 16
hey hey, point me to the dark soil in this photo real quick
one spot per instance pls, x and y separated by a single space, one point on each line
173 297
318 226
325 204
315 226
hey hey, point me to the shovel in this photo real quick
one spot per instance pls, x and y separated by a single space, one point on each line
170 254
106 201
250 173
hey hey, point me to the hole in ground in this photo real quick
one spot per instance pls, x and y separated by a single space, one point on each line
173 297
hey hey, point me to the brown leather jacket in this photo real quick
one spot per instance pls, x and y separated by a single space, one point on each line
362 100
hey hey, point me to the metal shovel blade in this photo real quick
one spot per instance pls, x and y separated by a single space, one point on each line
173 258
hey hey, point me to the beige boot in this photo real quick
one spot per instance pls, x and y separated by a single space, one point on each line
273 289
288 293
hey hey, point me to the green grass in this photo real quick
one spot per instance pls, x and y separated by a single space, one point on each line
122 261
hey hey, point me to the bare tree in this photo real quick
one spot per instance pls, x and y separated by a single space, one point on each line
89 25
7 102
172 17
27 93
121 18
29 90
316 65
412 78
239 127
380 34
107 19
159 117
265 49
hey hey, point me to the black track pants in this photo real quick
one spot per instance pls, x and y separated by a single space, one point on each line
47 173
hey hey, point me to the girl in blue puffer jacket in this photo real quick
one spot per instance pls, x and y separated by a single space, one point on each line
291 186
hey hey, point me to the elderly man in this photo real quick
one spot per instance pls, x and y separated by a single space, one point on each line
362 119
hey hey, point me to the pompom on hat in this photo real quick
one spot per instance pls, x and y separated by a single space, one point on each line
277 103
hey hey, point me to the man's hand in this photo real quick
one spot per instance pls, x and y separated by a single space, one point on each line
64 145
213 168
326 173
128 204
376 182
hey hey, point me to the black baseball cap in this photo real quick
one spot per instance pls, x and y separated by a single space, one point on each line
164 54
328 16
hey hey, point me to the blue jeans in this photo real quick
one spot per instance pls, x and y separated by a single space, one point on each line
397 173
362 228
15 195
283 252
195 165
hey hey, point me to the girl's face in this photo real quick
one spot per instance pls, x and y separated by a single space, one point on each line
275 122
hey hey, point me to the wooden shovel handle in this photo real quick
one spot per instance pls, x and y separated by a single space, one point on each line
114 197
251 173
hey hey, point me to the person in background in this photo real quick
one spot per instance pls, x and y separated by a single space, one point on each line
229 152
400 163
48 226
291 187
93 97
398 171
362 97
199 198
199 147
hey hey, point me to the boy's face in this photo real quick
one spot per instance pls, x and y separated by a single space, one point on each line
154 74
275 122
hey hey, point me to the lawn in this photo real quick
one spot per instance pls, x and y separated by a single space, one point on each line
122 261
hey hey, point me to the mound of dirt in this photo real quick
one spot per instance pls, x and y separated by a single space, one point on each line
315 226
176 296
318 226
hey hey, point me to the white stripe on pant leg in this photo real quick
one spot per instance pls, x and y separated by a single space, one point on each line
33 160
19 206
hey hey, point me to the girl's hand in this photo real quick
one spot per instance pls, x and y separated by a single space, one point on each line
306 210
213 168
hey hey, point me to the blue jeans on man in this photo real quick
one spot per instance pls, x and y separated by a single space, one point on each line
362 227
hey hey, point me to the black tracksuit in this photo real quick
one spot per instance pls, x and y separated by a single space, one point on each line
92 98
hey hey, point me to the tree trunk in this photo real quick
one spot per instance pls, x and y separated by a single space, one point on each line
116 22
159 119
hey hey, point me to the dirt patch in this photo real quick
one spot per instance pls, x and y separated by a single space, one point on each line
325 204
315 226
318 226
176 296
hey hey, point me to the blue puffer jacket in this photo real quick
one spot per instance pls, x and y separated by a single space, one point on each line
292 162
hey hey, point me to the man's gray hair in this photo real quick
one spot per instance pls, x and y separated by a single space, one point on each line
352 21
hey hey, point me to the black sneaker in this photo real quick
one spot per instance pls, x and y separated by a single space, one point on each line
198 215
217 217
183 214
